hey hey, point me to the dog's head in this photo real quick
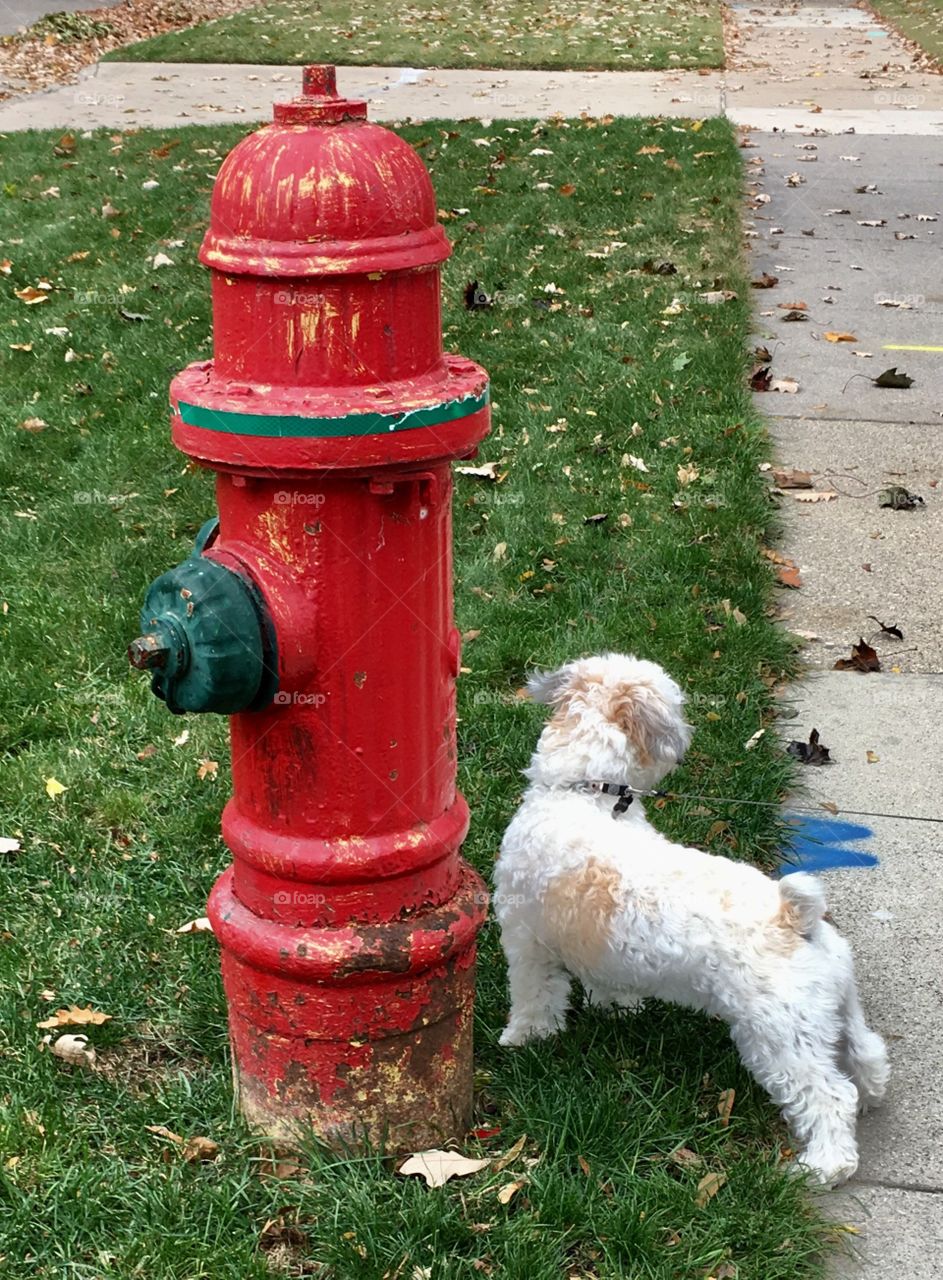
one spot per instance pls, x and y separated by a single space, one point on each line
617 718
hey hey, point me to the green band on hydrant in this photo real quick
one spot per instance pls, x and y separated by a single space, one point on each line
353 424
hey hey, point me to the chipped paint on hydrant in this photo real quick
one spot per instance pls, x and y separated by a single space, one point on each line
317 613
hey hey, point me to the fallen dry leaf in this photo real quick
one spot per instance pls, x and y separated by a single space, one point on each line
815 495
891 378
31 296
437 1167
872 758
839 337
510 1155
487 471
863 658
898 498
787 385
199 1148
163 1132
9 845
708 1187
75 1017
685 1158
790 478
811 752
207 769
72 1049
510 1189
725 1105
200 925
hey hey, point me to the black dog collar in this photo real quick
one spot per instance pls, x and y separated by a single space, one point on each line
620 789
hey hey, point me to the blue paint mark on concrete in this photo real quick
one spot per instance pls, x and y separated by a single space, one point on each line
820 844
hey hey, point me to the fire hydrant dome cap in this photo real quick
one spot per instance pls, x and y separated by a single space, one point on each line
330 194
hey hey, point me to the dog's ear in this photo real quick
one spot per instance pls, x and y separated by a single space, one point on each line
655 728
549 686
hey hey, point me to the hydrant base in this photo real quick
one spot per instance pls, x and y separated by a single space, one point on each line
400 1094
360 1035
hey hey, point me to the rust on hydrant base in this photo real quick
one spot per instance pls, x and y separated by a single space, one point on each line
318 614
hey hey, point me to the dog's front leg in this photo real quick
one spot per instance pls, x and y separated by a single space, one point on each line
540 988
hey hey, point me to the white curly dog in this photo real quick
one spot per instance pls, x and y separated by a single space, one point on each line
587 888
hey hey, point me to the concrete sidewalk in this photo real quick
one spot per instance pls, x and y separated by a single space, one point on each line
876 97
852 227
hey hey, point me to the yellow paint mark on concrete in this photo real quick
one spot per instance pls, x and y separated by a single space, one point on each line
900 346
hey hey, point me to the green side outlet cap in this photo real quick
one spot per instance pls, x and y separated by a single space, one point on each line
206 639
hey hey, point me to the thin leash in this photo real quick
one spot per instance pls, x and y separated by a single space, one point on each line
775 804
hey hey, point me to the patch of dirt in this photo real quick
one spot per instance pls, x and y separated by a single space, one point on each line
141 1064
55 49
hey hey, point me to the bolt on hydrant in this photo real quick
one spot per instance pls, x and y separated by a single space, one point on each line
317 613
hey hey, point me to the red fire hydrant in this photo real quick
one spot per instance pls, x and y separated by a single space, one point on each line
317 613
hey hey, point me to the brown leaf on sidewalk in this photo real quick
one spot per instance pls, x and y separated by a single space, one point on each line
765 281
899 498
815 495
839 337
790 478
863 658
811 752
891 378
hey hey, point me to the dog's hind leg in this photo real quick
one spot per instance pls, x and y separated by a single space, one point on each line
865 1053
794 1061
540 988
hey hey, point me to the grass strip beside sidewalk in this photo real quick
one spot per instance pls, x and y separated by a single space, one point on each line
626 35
918 20
618 393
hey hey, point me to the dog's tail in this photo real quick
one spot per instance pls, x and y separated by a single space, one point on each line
804 900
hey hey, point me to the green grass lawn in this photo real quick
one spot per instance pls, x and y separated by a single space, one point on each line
918 20
595 361
624 35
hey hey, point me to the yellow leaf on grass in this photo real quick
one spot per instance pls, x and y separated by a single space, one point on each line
202 925
207 769
725 1105
708 1187
507 1193
196 1149
163 1132
75 1017
54 788
31 296
510 1155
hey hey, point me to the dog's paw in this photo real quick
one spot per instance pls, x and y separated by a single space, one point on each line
827 1167
518 1033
